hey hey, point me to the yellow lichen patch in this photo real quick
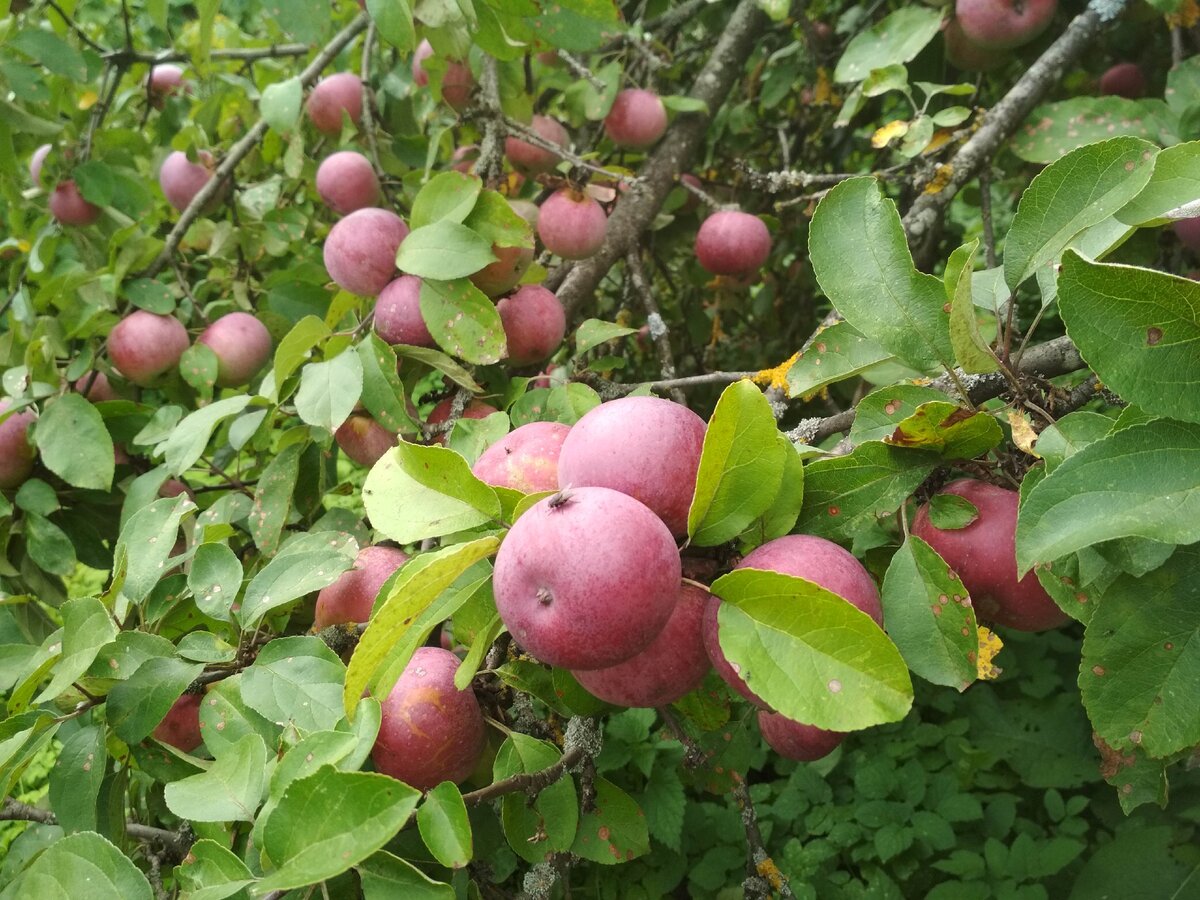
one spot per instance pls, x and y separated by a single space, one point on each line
940 179
777 377
888 133
989 645
768 870
940 139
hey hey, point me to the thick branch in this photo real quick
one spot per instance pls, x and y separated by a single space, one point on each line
683 139
242 148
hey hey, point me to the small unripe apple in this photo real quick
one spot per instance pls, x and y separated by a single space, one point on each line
1188 232
795 740
637 119
984 556
423 52
802 556
430 731
505 273
526 459
143 346
457 84
69 208
731 242
242 346
182 180
1124 80
530 158
673 664
332 96
360 251
165 79
16 453
352 596
476 409
181 726
586 578
346 181
963 53
100 388
534 324
572 224
363 439
35 162
646 447
1003 24
398 317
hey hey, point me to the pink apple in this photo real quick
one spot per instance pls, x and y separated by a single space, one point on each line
363 439
16 452
182 180
1124 80
962 53
181 726
637 119
1003 24
505 273
476 409
143 346
534 324
572 224
423 52
525 460
457 85
398 317
795 740
532 159
332 96
165 79
346 182
242 346
352 597
100 389
730 242
69 208
360 251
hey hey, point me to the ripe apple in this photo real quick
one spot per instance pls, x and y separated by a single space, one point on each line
457 84
100 388
476 409
182 180
423 52
572 224
360 251
531 159
69 208
504 274
637 119
1124 80
463 158
165 79
16 453
430 731
398 317
352 596
332 96
363 439
984 556
731 242
534 324
672 665
1188 232
526 459
576 590
346 182
35 162
803 556
143 346
1003 24
795 740
242 346
181 726
963 53
646 447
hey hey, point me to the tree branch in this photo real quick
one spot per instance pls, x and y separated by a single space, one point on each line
659 333
241 54
242 148
15 811
763 878
637 209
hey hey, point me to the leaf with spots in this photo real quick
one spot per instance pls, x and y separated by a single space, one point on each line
1137 329
578 25
225 718
838 352
548 825
927 612
273 498
463 321
190 437
296 681
198 366
614 830
76 778
878 413
137 704
810 654
231 789
971 351
949 430
306 564
383 392
215 579
896 39
1175 183
210 870
1055 129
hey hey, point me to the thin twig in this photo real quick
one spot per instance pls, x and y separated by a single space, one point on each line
581 71
368 113
74 26
243 54
659 332
527 134
763 877
15 811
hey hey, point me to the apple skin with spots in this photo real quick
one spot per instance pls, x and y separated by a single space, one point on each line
430 732
534 324
398 318
525 459
984 556
352 596
181 726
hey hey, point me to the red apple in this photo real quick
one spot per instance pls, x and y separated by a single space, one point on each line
100 388
964 54
1188 232
505 273
181 726
572 224
457 84
16 452
730 242
242 346
795 740
332 96
1003 24
352 596
346 181
143 346
360 251
363 439
534 324
532 159
398 317
182 180
423 52
476 409
637 119
525 460
463 158
69 208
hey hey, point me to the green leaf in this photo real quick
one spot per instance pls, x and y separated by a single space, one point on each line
463 321
480 645
1055 129
273 498
846 493
231 789
206 647
1139 672
74 444
211 872
330 390
614 830
447 197
971 351
383 392
386 877
895 39
578 26
78 866
443 251
49 546
1069 435
48 49
296 345
280 104
151 295
225 719
1083 188
417 492
137 704
215 579
810 654
394 21
190 438
950 512
839 352
445 829
306 564
493 219
76 777
296 681
1142 481
436 359
878 413
928 613
359 813
1137 862
593 332
548 826
388 638
87 626
781 515
1174 184
22 737
741 466
198 366
1136 329
948 429
145 544
882 294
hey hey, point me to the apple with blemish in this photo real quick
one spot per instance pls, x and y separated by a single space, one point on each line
525 459
637 119
241 344
363 439
430 731
143 346
352 597
398 318
475 409
572 224
69 208
586 578
346 182
1003 24
16 452
534 324
646 447
795 740
530 158
731 242
360 250
181 726
984 556
674 663
333 96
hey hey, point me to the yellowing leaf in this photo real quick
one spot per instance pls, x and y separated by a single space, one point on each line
1022 431
989 645
87 100
889 133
